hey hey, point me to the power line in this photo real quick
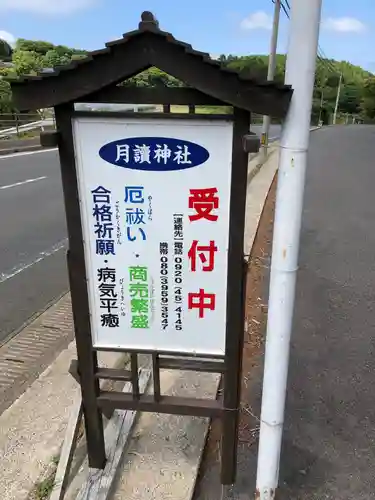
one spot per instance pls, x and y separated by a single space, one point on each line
284 8
320 54
326 63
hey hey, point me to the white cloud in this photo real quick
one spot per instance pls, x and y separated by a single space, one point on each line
8 37
257 20
48 7
344 25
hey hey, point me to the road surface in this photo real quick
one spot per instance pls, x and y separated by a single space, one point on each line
274 132
33 236
329 440
328 448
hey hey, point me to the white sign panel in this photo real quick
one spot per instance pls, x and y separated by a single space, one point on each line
154 200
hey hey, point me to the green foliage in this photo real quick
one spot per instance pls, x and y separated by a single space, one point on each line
27 62
5 97
28 58
327 78
152 77
368 102
37 46
51 58
31 56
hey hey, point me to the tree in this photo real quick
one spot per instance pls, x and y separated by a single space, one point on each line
351 96
37 46
368 102
27 63
6 105
52 59
153 77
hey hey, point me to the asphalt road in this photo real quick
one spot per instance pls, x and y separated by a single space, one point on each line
274 132
33 237
328 448
329 440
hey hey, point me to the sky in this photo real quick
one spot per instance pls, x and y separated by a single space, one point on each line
238 27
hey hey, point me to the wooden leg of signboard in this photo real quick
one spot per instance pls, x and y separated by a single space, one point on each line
229 446
232 397
67 450
117 434
156 376
134 372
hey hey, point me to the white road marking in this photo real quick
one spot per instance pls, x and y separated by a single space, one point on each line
23 182
22 267
27 153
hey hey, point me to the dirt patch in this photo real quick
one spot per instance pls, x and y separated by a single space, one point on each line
255 327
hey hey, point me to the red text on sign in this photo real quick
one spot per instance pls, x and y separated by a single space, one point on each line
203 201
206 254
201 301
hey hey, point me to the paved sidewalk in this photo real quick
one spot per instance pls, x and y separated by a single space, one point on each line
32 350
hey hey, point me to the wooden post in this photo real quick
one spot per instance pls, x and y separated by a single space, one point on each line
87 357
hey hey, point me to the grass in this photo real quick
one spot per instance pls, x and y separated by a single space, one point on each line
43 489
204 110
200 110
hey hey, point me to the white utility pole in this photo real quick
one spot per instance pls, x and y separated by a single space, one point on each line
271 73
300 72
337 100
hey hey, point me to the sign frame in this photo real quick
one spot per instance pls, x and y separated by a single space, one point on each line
229 365
95 79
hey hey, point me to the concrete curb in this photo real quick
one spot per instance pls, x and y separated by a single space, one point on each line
4 152
10 146
258 161
8 151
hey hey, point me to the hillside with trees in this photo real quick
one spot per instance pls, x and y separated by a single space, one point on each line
357 97
29 58
327 76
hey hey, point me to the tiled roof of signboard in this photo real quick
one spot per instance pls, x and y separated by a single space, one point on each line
82 77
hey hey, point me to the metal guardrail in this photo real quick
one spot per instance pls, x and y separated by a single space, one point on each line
19 129
18 124
16 130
